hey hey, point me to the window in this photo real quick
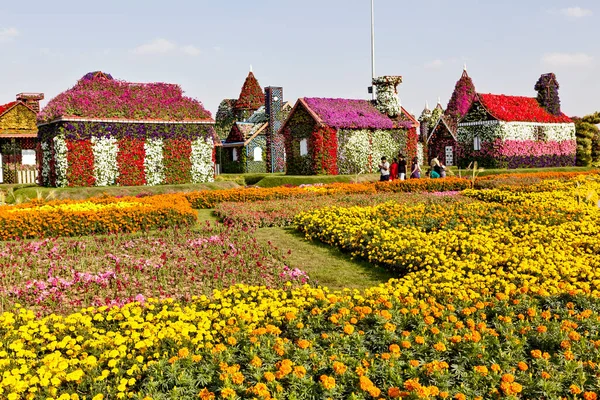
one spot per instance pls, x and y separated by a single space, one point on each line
28 157
476 143
303 147
540 133
258 154
235 154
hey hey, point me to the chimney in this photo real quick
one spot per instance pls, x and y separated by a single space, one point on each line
31 100
275 145
387 95
547 88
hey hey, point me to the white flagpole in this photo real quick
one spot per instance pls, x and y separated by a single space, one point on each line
373 46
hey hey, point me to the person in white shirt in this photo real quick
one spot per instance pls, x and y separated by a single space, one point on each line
384 168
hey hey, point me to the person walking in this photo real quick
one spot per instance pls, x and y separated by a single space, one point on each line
384 169
415 169
402 167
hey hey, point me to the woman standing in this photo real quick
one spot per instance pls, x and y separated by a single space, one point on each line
415 169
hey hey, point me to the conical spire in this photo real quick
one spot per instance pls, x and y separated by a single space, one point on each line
426 106
251 96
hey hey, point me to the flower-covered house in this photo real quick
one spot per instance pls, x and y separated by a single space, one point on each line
516 131
105 131
18 138
246 148
251 127
344 136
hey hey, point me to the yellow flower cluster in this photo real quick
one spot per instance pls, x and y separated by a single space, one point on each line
546 238
255 342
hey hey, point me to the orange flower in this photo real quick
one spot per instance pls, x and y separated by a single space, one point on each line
574 389
590 396
299 371
339 368
522 366
327 382
419 340
303 343
269 376
348 329
536 353
439 346
394 392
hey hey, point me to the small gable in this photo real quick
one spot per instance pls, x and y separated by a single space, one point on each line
16 117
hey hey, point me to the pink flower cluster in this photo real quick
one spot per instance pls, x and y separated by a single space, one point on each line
100 97
295 274
513 148
346 113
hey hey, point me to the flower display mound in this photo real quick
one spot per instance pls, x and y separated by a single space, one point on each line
281 212
252 342
546 238
38 219
98 95
113 270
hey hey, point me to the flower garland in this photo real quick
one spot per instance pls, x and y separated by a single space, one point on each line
176 161
201 157
106 168
61 162
46 162
130 162
324 151
80 159
153 162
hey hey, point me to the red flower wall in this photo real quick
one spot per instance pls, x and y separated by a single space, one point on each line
324 151
80 159
177 162
130 160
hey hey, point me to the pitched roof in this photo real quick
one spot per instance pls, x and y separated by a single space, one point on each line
518 109
4 108
446 121
347 113
98 96
251 95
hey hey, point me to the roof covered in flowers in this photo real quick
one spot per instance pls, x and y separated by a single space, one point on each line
348 113
98 96
6 107
251 96
518 109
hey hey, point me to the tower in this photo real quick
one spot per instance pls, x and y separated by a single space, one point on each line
275 143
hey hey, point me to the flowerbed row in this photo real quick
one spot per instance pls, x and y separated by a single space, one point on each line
59 275
281 212
97 215
543 239
251 342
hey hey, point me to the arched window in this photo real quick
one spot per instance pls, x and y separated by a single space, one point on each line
258 154
235 154
303 147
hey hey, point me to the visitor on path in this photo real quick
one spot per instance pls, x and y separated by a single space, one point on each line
402 167
435 168
415 169
442 170
394 170
384 168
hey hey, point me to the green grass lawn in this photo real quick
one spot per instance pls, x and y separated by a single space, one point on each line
325 265
279 180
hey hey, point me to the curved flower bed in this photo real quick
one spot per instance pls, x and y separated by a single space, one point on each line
98 215
547 239
309 343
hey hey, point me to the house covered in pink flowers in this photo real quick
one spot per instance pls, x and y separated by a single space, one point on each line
105 131
344 136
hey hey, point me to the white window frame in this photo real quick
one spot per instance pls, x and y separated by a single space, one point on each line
303 147
477 143
258 154
26 155
234 154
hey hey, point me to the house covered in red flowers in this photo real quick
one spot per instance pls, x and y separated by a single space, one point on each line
500 131
105 131
344 136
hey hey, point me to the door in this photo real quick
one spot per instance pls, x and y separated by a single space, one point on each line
449 155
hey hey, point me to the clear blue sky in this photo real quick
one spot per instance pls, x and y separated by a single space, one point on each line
318 48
